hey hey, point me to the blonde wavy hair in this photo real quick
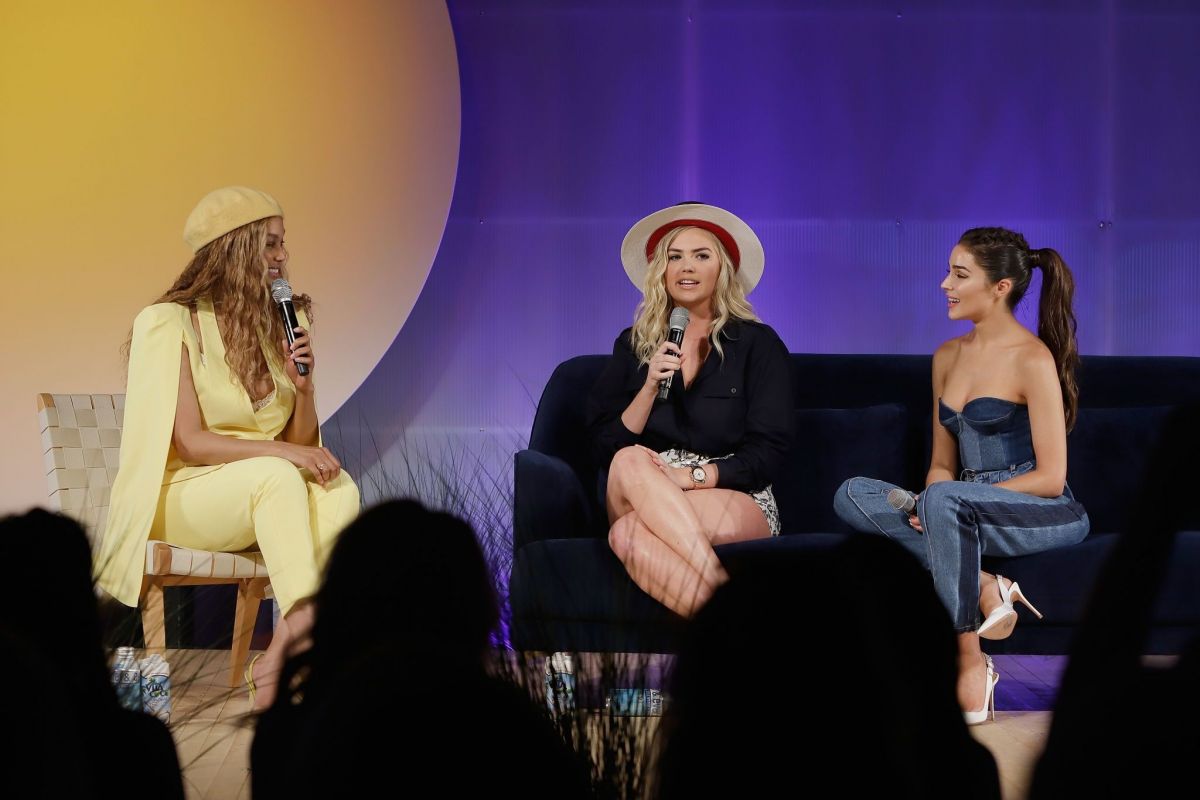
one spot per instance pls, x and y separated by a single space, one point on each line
230 270
653 313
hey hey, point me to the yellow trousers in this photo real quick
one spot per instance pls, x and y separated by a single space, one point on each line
265 502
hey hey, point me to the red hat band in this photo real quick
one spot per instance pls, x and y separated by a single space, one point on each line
722 235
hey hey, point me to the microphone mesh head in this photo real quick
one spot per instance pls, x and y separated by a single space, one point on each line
901 500
679 319
281 290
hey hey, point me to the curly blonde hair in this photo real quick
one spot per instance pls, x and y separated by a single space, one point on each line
653 313
230 271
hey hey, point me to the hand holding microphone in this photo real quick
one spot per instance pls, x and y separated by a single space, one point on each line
663 364
301 352
665 358
903 500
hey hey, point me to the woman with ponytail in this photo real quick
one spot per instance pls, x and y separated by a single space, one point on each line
997 484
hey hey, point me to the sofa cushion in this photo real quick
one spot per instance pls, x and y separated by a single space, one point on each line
1107 453
831 445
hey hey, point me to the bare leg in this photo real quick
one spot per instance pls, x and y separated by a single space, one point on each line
292 636
972 673
657 569
728 516
635 483
722 515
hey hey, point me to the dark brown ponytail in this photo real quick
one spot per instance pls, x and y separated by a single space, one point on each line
1056 324
1005 254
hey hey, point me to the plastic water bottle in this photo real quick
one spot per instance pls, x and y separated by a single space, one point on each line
634 702
560 683
127 679
156 686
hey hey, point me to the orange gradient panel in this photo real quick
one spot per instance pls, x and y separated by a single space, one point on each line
117 117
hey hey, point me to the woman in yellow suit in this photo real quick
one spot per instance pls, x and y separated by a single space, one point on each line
221 449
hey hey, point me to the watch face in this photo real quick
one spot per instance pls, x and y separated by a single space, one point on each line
698 474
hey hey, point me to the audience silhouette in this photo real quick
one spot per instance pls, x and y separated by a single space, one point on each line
833 668
1122 729
74 739
395 689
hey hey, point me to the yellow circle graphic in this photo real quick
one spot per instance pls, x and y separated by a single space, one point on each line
119 117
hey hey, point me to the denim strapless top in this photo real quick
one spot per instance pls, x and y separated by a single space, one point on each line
992 433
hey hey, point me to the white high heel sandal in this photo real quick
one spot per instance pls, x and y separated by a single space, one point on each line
1000 623
989 697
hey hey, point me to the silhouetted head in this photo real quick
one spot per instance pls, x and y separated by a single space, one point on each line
409 580
48 598
804 661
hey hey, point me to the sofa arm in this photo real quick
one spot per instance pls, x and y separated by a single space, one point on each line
548 500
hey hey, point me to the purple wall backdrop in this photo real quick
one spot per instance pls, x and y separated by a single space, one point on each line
858 138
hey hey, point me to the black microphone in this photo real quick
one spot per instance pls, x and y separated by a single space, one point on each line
902 500
675 329
281 293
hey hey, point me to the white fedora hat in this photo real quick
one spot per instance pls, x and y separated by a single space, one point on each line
743 246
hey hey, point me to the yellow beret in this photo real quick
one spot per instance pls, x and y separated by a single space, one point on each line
224 210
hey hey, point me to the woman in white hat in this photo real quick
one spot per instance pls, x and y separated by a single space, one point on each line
221 449
693 470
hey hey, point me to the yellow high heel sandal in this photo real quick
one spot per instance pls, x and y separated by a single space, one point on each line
250 678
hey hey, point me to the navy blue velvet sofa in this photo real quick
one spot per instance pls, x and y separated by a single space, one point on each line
855 415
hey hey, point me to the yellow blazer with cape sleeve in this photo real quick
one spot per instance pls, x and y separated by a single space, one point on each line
148 460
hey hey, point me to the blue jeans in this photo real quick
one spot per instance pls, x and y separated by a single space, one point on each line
964 520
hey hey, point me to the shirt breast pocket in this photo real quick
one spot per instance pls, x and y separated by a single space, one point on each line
723 408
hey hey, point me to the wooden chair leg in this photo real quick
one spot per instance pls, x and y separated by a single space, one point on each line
250 594
154 617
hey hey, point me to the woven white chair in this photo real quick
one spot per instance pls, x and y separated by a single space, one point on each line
81 437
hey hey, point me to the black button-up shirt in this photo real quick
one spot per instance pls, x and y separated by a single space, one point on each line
741 406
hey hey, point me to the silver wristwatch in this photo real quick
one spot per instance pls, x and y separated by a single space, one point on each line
699 476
